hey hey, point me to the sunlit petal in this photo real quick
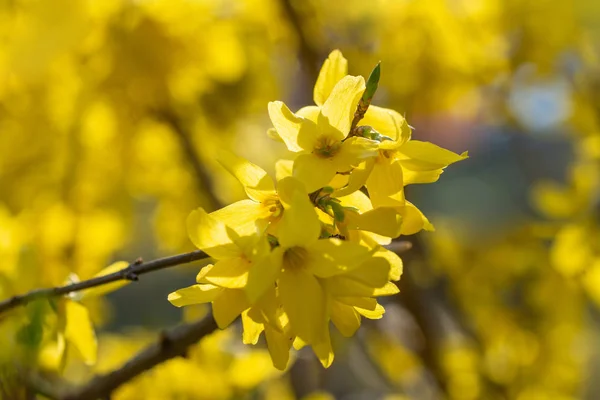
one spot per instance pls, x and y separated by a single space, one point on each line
332 71
257 184
195 294
340 106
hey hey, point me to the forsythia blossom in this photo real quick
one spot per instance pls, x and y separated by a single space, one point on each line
307 250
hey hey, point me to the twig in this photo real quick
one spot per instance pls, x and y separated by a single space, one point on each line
308 54
170 344
130 273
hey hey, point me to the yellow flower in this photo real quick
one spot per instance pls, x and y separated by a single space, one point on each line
299 264
263 208
321 139
223 284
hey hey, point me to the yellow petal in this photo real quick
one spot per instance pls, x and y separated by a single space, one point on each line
425 156
388 289
252 329
262 275
385 221
80 332
358 178
343 286
385 184
300 224
413 220
242 216
299 343
340 106
110 287
228 305
231 273
389 123
323 349
296 132
345 318
279 346
283 168
414 177
332 71
195 294
353 152
304 302
375 272
395 262
257 184
313 171
210 235
367 307
309 112
329 257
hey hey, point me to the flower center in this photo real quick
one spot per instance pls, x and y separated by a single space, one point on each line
326 147
274 206
295 258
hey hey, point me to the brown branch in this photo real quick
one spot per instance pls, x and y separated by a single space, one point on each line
170 344
308 55
129 273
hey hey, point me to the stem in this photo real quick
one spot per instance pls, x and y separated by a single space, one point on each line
129 273
170 344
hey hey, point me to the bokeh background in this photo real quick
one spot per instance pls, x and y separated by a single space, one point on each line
111 112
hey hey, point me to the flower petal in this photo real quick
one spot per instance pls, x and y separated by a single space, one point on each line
385 221
296 132
374 272
262 274
283 168
228 306
365 306
299 224
313 171
279 345
329 257
304 302
353 152
340 106
80 332
210 235
309 112
231 273
395 262
195 294
251 329
345 318
358 178
413 220
257 184
323 349
242 215
425 156
332 71
385 184
389 123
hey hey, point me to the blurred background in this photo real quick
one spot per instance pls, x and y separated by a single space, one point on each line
111 112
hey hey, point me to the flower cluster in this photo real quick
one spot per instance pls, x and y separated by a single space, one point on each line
308 249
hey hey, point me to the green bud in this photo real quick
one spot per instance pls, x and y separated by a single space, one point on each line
372 84
338 211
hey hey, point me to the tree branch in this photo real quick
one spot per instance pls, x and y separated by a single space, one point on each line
170 344
129 273
308 55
